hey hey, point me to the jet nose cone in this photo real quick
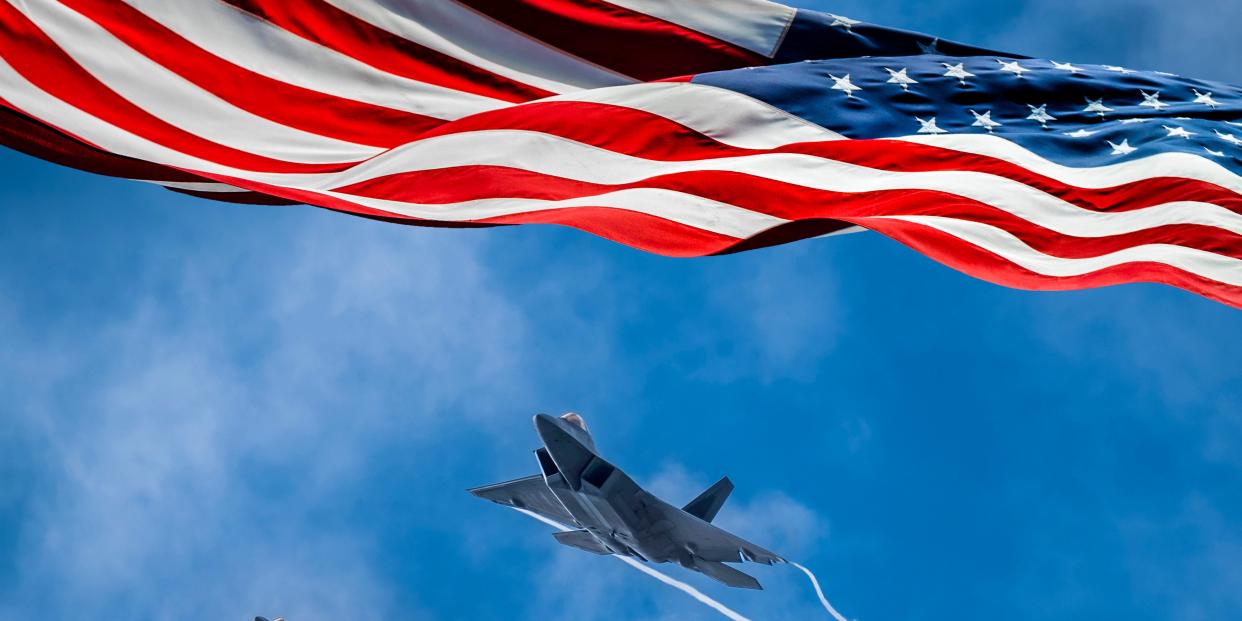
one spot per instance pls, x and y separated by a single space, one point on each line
565 448
546 426
550 429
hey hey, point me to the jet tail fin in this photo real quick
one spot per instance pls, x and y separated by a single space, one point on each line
727 575
708 504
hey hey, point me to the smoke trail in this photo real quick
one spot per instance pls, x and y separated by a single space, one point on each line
669 580
685 588
693 592
820 592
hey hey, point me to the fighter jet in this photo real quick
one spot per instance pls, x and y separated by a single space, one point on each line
607 513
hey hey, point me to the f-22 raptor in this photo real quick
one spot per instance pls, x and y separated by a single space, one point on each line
607 513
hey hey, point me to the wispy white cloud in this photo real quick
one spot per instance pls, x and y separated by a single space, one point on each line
155 432
775 314
1209 567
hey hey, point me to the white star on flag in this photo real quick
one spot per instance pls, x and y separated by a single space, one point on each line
844 22
1040 114
844 84
1121 149
1012 67
929 127
1205 99
1097 106
1230 138
900 78
957 71
1081 133
1213 153
1177 132
1065 67
985 121
1152 100
1121 70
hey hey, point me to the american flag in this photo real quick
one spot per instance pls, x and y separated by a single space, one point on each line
681 127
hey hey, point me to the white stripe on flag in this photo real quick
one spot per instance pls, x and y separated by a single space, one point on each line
1200 262
483 43
250 42
178 101
728 116
757 25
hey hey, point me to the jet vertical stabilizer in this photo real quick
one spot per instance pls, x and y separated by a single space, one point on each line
708 504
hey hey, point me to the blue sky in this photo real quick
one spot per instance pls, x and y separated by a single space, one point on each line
216 411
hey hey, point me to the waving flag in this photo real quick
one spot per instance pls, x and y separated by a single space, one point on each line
682 127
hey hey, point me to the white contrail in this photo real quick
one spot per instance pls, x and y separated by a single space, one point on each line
683 587
693 592
669 580
820 592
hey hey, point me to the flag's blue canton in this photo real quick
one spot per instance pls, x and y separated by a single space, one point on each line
817 35
1079 115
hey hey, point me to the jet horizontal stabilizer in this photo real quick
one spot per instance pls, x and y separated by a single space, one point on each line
708 504
582 540
726 575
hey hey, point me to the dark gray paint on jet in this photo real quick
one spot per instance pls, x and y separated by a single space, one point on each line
608 513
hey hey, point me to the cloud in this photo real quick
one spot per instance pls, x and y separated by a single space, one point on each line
186 441
1212 548
1165 350
771 315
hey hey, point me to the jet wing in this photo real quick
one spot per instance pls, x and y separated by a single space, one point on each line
712 543
529 493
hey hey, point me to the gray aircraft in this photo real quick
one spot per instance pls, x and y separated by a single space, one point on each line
607 513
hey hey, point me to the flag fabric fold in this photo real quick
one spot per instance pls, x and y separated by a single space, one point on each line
681 127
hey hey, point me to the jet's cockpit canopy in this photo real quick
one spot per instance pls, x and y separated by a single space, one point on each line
575 420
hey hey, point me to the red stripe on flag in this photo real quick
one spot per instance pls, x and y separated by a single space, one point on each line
616 38
989 266
638 230
50 68
293 106
35 138
783 200
660 236
650 136
322 23
239 198
902 156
